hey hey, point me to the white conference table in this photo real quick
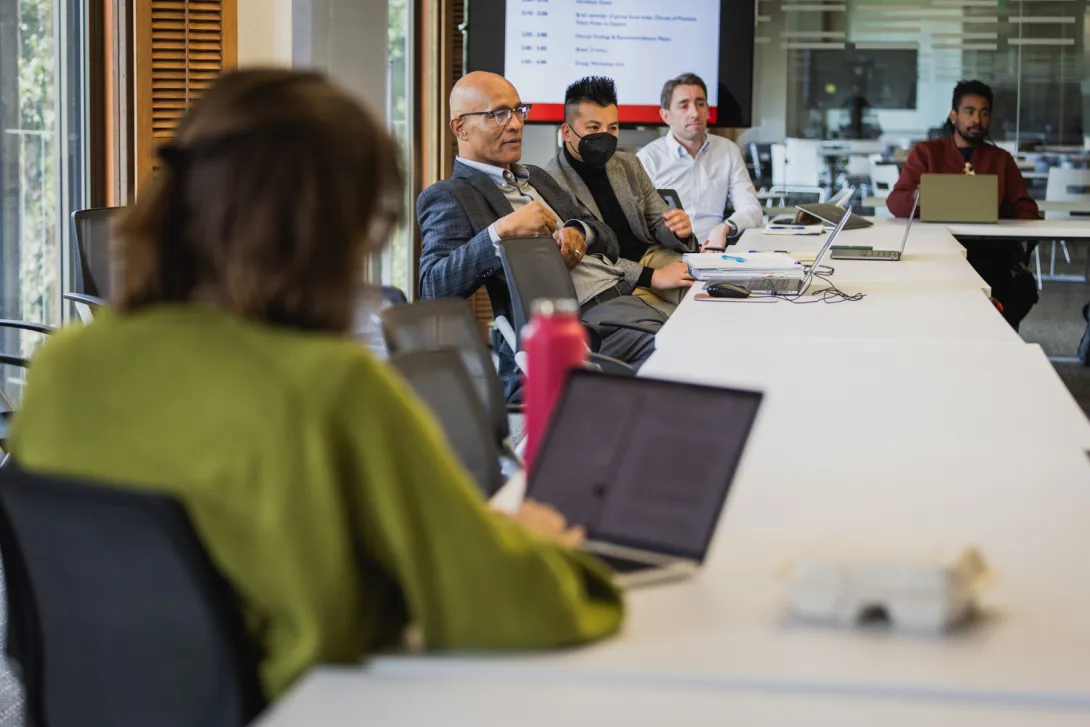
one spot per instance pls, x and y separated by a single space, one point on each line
340 698
913 418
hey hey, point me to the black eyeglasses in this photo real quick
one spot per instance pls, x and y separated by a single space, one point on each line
503 116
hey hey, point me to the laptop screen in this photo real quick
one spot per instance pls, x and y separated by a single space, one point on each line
643 463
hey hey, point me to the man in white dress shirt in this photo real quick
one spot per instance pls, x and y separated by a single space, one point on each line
704 170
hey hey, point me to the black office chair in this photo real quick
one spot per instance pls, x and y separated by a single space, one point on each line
439 378
91 228
534 270
116 615
427 325
6 408
6 359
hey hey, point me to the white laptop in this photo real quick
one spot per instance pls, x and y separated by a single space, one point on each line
649 495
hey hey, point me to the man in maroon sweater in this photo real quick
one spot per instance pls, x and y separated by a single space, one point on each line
964 151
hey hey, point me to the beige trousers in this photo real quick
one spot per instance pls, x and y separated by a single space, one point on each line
665 301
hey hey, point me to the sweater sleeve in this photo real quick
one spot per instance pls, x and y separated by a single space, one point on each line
900 200
471 578
1017 203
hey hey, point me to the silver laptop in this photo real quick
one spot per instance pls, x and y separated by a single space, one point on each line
866 252
650 496
812 270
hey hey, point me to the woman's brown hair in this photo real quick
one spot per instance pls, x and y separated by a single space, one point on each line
275 191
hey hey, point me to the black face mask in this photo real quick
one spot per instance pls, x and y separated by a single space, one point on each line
596 149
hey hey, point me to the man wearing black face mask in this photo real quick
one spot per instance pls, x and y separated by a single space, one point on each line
614 186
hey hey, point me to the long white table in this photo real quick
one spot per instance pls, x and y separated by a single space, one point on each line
339 698
913 418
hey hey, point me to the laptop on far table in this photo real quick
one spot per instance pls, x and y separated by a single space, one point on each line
650 496
959 198
864 252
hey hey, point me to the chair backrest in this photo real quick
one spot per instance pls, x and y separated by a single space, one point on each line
92 235
440 379
1066 185
116 614
534 270
444 323
884 177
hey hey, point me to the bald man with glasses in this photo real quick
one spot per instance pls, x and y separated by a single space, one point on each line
491 197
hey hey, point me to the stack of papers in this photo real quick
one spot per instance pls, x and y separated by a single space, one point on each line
718 266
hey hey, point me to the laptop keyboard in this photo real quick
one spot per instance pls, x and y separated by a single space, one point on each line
623 565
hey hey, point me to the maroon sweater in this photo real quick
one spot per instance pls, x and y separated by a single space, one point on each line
941 156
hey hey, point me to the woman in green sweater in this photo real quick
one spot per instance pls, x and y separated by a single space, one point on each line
223 376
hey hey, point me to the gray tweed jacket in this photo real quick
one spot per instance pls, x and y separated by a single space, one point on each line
642 205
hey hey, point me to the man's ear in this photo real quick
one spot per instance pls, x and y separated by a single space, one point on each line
565 133
953 117
664 113
458 128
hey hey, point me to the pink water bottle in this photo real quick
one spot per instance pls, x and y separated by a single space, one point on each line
555 342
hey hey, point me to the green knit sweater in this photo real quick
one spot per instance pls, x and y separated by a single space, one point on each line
319 485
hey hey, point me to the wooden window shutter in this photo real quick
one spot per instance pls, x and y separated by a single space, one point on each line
181 47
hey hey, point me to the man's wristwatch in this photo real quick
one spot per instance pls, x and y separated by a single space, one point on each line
732 229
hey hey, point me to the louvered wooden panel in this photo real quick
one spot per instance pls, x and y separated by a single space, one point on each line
181 47
482 307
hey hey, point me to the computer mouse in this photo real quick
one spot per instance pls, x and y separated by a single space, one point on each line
726 290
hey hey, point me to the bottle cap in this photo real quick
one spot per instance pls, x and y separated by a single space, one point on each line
554 306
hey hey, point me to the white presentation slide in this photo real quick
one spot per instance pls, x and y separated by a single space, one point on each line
640 44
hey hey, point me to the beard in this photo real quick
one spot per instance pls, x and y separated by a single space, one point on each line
972 134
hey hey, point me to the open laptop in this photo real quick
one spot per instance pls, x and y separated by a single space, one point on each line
864 252
650 496
830 213
959 198
811 271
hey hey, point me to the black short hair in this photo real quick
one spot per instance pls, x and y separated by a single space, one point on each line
971 88
598 90
685 79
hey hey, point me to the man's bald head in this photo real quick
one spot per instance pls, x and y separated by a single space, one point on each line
480 137
475 90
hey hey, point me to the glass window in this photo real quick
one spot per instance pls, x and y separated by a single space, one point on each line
841 87
397 261
42 161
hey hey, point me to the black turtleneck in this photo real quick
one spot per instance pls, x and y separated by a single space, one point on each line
597 181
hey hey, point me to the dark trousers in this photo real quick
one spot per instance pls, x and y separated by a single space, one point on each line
1003 267
632 347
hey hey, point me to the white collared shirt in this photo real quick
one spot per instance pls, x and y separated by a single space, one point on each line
705 183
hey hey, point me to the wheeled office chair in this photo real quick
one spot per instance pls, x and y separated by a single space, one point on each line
439 378
449 323
535 269
91 229
116 615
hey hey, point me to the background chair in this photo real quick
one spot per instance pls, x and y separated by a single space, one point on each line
14 361
449 323
116 614
534 270
92 236
439 378
883 178
1064 185
368 328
